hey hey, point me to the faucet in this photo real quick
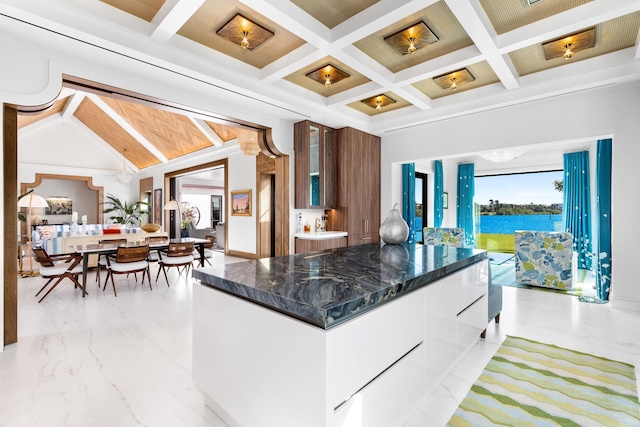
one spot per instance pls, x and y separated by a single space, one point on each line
319 225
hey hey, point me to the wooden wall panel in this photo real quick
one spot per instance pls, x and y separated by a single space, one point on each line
10 230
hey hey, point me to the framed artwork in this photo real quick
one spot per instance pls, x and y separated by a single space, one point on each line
157 206
445 200
241 203
58 206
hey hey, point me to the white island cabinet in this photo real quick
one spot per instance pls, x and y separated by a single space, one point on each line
261 367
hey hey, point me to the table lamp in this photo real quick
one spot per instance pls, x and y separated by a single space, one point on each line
31 201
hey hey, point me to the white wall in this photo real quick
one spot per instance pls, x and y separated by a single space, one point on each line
585 116
40 59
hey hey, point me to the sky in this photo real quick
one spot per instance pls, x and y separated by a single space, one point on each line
526 188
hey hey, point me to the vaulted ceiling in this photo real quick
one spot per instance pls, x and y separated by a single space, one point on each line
469 55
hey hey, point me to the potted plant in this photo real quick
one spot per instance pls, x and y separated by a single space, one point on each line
124 213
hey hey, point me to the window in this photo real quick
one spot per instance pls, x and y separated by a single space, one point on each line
524 201
421 198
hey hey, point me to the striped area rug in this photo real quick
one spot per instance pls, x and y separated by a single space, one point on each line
528 383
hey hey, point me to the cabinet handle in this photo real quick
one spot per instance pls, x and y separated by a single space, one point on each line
366 238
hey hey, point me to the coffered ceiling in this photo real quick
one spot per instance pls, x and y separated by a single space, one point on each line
498 43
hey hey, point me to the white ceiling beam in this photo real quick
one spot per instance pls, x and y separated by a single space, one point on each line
207 131
292 62
440 65
72 104
294 19
567 22
414 96
171 17
373 19
481 32
357 93
127 127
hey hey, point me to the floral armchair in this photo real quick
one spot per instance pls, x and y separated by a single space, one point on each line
545 259
444 236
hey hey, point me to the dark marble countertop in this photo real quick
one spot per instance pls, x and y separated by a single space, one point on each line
326 288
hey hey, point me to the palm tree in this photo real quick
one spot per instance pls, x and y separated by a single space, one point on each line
124 212
558 185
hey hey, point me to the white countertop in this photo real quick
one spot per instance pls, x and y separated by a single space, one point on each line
321 235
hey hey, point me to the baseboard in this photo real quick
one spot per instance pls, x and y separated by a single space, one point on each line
625 304
242 254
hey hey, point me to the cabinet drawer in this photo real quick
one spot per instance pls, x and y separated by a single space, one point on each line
472 283
388 399
470 323
367 346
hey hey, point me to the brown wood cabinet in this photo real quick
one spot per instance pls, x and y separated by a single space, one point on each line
306 245
315 166
358 179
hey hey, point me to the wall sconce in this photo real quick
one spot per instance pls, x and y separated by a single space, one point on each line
248 142
327 75
244 32
567 46
378 101
410 39
454 79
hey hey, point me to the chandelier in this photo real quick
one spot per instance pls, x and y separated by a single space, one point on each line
248 142
124 176
503 155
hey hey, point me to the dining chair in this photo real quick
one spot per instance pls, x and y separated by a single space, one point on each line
176 255
102 258
59 266
208 251
131 259
153 253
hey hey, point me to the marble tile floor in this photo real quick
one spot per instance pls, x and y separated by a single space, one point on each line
126 361
542 316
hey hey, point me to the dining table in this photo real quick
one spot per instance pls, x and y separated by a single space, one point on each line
107 248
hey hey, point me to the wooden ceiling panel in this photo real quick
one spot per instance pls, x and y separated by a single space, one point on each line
174 135
57 107
225 133
300 78
333 12
213 14
369 111
481 72
615 34
507 15
438 18
146 9
113 134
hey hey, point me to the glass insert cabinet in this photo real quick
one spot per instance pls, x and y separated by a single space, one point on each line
315 166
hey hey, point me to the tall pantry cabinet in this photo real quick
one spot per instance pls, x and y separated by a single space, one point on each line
358 186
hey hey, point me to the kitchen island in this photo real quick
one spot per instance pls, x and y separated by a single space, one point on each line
349 336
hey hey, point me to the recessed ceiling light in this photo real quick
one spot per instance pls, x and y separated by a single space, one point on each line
244 32
378 101
327 75
567 46
454 79
410 39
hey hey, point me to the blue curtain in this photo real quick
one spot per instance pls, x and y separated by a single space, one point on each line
603 219
438 194
576 212
464 202
409 198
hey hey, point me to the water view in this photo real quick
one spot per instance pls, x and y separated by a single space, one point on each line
507 224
